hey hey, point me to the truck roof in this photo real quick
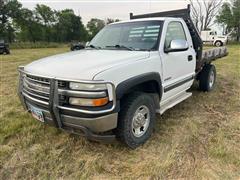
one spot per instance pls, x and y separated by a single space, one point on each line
146 19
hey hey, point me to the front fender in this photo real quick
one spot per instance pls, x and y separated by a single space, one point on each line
126 86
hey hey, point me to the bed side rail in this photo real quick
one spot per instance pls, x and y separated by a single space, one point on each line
213 54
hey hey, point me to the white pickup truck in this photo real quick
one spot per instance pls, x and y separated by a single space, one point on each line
129 72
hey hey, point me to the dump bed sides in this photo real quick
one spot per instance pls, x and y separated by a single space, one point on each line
210 55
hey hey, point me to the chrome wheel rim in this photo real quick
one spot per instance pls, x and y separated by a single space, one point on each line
140 121
211 79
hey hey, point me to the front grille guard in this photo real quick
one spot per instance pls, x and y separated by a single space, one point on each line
53 104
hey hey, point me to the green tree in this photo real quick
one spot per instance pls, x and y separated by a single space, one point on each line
94 26
225 17
109 20
30 29
9 10
46 17
236 18
40 24
69 27
230 17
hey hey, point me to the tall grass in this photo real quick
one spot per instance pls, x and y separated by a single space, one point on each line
32 45
197 139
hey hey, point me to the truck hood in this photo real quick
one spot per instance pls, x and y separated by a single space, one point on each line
83 64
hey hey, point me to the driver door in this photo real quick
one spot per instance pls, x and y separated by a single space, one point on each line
179 66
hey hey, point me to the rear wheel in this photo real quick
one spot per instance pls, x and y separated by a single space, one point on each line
136 119
207 78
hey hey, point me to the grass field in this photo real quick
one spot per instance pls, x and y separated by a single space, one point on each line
197 139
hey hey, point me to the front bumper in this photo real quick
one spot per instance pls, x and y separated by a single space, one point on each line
92 125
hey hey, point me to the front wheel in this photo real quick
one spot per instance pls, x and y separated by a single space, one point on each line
207 78
136 119
218 43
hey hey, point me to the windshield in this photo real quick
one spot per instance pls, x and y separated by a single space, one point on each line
129 36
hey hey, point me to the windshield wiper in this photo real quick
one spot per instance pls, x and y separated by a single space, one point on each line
94 47
121 47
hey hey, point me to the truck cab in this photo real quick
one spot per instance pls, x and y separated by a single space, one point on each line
130 71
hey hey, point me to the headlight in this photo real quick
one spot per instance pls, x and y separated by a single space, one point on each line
87 87
87 94
88 102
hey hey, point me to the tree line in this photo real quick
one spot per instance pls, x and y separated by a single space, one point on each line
206 13
229 18
45 24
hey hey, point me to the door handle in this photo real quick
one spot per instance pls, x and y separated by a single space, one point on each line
190 58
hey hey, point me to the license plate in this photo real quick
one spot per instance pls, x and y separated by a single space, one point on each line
36 113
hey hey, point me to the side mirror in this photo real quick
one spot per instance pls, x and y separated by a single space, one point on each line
177 45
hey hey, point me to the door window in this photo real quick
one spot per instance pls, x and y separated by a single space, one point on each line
175 31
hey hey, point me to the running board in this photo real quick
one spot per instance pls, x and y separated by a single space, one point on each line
173 102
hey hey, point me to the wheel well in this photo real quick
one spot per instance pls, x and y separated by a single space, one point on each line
151 87
147 87
147 83
199 73
218 41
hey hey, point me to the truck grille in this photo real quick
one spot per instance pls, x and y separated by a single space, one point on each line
50 94
36 87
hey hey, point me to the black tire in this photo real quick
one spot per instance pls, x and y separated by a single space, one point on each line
7 52
129 105
218 43
206 82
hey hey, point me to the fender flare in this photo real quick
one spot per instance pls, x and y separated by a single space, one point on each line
126 86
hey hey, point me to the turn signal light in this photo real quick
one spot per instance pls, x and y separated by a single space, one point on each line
88 102
100 102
